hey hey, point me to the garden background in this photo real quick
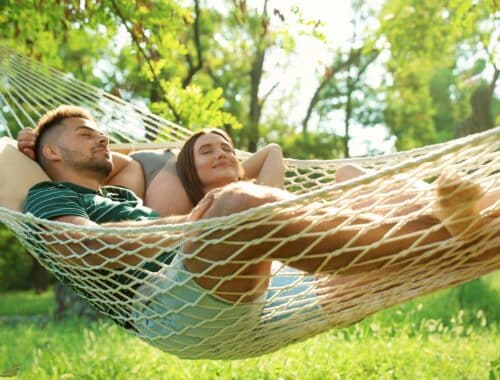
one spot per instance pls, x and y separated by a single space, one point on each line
390 75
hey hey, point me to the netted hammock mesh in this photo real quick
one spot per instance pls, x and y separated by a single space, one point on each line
300 305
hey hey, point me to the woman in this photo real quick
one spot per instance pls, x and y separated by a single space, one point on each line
179 183
200 316
207 162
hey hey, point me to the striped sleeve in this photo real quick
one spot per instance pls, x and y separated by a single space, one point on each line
48 200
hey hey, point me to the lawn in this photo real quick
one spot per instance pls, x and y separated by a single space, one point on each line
453 334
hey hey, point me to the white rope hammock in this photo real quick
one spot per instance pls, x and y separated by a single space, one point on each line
163 307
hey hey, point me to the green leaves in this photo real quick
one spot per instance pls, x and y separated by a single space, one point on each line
434 49
15 263
196 108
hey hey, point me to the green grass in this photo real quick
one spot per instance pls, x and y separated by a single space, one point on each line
453 334
26 303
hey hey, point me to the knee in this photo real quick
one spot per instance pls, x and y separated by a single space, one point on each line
348 172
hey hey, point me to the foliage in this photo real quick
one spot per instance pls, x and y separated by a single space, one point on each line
312 146
15 263
87 39
435 67
198 109
57 33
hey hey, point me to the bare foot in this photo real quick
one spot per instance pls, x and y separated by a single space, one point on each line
457 205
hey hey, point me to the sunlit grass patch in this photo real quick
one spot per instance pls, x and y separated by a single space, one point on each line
77 349
452 334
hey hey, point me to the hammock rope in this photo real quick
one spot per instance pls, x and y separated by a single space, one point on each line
296 305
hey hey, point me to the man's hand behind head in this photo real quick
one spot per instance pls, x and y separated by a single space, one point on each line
26 139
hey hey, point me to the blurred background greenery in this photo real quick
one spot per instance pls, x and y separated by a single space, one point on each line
417 72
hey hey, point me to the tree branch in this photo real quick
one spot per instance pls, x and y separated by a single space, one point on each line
373 56
193 69
137 42
264 98
496 72
329 75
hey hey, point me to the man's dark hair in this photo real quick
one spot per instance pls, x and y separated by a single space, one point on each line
52 119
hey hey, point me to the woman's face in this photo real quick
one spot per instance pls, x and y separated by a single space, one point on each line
215 161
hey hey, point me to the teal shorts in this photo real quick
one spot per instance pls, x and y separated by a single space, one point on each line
177 315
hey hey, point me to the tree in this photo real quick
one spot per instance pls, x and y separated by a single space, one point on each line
343 86
428 89
233 44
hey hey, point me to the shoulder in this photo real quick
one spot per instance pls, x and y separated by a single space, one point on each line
121 191
48 187
50 199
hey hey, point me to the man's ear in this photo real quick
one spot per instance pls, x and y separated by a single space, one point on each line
50 153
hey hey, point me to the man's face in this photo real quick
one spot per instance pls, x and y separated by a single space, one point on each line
83 146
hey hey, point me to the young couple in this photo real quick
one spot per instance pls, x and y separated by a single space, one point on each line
205 182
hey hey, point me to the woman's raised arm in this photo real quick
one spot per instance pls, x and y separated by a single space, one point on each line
266 166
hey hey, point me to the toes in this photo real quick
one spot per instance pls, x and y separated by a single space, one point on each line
454 191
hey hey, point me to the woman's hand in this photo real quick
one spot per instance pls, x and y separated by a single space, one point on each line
202 207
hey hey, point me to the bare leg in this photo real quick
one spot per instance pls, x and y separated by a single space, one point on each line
459 203
227 258
490 199
407 203
350 171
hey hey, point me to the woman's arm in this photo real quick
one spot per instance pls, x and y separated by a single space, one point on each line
166 194
266 166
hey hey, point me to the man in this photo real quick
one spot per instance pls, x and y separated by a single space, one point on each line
126 172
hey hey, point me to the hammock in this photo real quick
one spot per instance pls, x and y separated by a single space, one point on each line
298 305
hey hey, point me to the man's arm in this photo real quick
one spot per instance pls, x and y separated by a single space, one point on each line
87 249
109 251
126 171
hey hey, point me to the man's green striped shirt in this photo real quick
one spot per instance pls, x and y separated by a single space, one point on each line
49 200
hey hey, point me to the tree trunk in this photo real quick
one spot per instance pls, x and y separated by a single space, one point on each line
255 105
69 303
255 79
39 278
347 120
481 118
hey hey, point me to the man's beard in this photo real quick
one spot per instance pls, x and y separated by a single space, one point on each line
101 168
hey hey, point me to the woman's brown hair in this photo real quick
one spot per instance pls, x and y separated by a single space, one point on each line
186 169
